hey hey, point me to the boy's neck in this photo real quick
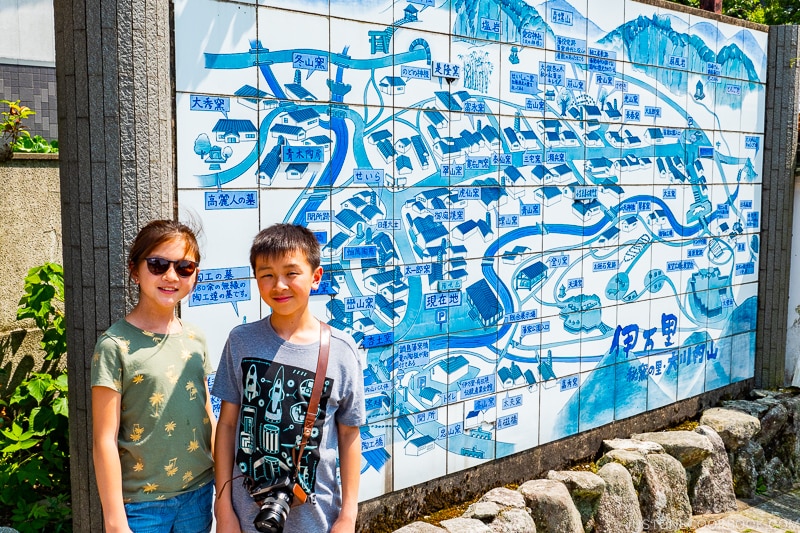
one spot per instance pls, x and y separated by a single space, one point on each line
303 329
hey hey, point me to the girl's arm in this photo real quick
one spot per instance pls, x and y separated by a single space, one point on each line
225 442
349 471
105 428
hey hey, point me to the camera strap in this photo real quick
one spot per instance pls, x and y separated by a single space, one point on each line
316 393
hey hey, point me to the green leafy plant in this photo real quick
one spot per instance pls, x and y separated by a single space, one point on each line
12 129
36 145
44 288
34 438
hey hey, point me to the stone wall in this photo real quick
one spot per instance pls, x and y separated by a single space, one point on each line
659 481
30 218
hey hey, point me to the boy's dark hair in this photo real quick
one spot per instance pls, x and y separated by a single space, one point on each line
282 239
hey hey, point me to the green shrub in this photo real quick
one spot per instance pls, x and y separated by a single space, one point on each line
34 429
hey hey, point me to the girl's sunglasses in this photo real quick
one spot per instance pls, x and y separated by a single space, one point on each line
159 266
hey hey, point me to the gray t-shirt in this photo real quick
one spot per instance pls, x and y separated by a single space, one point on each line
271 379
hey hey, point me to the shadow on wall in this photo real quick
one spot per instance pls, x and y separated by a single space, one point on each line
21 354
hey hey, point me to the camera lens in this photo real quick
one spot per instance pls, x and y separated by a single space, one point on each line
274 510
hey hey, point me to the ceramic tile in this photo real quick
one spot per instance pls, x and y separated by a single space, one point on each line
662 378
633 336
476 21
519 81
415 52
672 86
429 18
303 74
480 63
214 62
743 348
376 460
225 270
718 364
559 408
221 149
517 423
379 13
630 388
361 70
470 434
667 318
603 19
753 44
316 7
743 317
420 448
597 398
643 35
705 34
692 369
751 157
755 98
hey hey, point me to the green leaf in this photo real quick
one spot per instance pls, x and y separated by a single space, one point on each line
61 406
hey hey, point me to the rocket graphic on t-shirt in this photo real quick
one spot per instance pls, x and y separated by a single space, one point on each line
274 404
275 397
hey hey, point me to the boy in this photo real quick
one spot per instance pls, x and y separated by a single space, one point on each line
264 379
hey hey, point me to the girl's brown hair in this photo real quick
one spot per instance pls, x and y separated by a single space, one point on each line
158 232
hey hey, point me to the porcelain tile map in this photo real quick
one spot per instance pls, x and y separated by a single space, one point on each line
536 217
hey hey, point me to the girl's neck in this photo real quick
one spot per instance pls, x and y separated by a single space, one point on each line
298 330
155 321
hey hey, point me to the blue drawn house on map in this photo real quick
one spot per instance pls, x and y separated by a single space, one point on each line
450 370
295 133
510 376
231 131
392 85
485 303
530 276
420 445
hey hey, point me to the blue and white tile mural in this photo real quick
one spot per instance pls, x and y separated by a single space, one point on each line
536 217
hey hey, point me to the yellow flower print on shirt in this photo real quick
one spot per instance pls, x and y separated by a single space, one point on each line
157 401
194 444
150 487
188 476
192 388
170 468
169 427
171 374
137 379
137 433
186 355
139 466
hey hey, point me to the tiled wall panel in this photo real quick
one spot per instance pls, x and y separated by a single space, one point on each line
536 218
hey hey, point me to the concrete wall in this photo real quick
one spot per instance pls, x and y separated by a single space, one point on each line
30 215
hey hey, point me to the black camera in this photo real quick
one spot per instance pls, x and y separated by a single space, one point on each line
275 501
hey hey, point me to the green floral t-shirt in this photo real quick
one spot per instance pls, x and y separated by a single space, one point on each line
164 434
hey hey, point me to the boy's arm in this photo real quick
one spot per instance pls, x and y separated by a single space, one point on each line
224 446
350 473
106 404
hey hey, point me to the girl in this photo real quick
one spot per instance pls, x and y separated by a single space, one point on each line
151 411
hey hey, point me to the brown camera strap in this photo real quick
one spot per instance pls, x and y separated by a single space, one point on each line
316 392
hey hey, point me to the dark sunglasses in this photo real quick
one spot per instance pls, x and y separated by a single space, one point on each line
159 266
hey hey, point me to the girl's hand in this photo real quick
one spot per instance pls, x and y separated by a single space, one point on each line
343 525
227 521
